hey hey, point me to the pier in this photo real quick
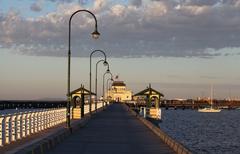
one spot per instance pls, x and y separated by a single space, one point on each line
113 131
114 128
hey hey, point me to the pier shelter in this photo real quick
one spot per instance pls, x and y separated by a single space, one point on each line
119 92
78 101
148 96
78 95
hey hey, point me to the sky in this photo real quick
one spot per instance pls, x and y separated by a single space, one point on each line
181 47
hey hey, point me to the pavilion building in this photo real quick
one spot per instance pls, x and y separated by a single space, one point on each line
118 92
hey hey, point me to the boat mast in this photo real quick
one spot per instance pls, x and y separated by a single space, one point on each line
211 96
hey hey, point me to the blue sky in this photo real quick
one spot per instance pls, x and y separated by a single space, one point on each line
181 47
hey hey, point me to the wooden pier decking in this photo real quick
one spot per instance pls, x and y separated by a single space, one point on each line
113 131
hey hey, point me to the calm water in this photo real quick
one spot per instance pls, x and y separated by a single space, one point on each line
204 132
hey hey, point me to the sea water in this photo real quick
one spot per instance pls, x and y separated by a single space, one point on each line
202 133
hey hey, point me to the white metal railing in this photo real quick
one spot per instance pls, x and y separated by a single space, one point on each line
19 125
151 112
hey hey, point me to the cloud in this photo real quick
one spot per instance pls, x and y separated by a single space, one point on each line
168 28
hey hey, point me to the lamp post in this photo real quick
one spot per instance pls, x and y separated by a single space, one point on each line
95 35
110 79
96 77
90 78
104 81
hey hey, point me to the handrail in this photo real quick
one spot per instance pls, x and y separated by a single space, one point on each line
20 125
151 112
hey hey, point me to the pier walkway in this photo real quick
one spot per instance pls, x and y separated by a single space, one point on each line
113 131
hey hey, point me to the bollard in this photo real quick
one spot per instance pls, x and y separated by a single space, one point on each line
2 130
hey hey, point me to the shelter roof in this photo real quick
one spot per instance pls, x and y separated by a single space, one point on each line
149 91
81 90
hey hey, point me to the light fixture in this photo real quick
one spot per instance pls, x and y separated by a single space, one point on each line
95 34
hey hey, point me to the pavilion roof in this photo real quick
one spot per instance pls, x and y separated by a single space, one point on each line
149 91
81 90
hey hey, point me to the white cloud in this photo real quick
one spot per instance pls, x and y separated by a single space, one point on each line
153 28
193 9
118 10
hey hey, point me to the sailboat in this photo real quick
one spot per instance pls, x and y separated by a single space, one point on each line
210 109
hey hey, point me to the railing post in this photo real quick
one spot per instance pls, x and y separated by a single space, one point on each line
2 130
24 124
28 119
13 129
19 125
141 111
57 117
92 106
159 116
48 118
45 120
51 118
54 117
86 109
38 121
8 128
144 112
42 120
61 115
32 121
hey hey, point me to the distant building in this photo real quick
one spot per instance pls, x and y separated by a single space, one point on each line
118 92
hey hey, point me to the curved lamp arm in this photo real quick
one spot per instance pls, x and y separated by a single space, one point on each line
90 78
95 35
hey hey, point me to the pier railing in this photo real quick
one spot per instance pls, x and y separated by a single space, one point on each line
154 113
20 125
